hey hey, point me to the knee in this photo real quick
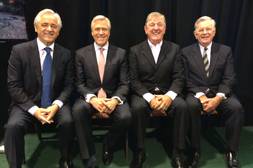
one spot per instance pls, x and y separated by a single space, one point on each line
125 119
79 110
13 128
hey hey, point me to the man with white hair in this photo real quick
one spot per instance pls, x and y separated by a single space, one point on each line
40 82
210 77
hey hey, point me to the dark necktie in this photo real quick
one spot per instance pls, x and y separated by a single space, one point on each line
46 79
206 62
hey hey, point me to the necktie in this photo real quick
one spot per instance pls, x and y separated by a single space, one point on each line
101 68
206 62
46 79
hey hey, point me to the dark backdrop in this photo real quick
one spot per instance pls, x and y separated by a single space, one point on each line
234 28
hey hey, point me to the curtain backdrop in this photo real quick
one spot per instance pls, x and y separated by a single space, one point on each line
234 27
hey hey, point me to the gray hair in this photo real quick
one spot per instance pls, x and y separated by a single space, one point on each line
155 14
47 11
204 18
100 17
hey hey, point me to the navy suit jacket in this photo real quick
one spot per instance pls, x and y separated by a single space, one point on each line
115 81
221 71
24 75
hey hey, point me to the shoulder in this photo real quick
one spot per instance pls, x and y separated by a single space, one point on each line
171 44
139 46
117 49
85 49
25 45
221 47
189 48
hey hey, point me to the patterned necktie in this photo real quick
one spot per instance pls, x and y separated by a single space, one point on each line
46 79
206 62
101 68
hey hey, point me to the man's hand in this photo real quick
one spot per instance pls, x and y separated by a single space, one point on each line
98 104
165 102
210 104
155 103
111 105
41 114
213 103
53 109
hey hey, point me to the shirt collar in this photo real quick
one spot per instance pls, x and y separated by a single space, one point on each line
157 45
97 47
41 45
208 47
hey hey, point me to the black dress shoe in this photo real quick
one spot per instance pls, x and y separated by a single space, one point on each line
65 164
138 159
91 162
194 160
107 155
232 161
177 162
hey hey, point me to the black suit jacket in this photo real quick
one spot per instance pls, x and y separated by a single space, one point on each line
24 75
146 75
115 81
221 72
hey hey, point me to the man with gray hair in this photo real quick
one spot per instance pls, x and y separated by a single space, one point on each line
156 75
102 83
40 82
210 78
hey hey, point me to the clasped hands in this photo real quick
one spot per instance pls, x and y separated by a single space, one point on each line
209 105
45 115
159 104
104 106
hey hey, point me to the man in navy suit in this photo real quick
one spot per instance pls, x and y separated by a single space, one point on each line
102 83
210 77
26 87
156 75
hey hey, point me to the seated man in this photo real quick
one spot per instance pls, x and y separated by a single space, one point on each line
40 82
156 74
102 83
210 77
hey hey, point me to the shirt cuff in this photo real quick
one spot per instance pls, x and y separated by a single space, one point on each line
118 98
88 97
171 94
33 109
58 103
199 94
148 97
221 95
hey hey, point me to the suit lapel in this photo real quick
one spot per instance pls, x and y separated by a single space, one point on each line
110 55
162 54
197 56
35 60
147 53
213 58
93 61
56 62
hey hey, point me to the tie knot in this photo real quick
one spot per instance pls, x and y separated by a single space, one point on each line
101 49
47 49
205 48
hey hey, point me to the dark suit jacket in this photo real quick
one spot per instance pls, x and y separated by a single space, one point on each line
221 72
24 75
145 75
115 81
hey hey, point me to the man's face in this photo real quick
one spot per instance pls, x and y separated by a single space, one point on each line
47 29
205 32
155 29
100 32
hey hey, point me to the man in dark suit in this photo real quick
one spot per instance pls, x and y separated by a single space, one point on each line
40 82
156 75
210 77
102 83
